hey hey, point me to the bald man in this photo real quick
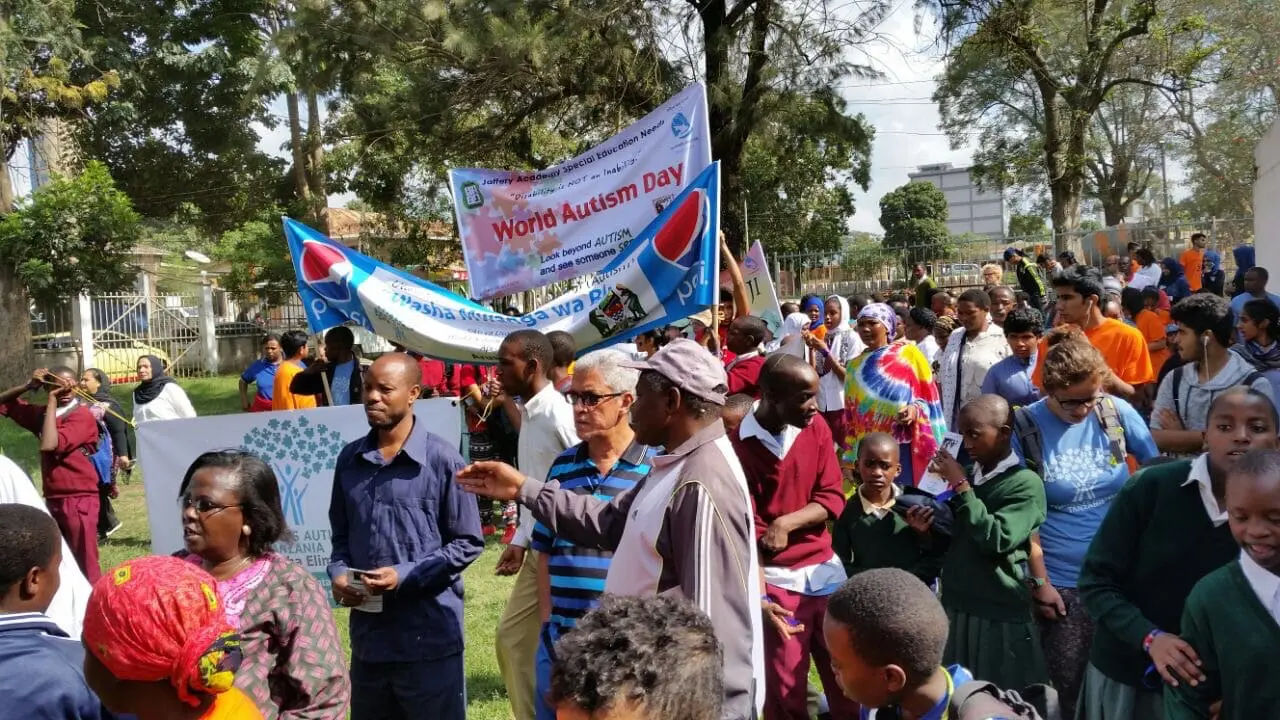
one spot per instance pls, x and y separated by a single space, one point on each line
793 475
403 532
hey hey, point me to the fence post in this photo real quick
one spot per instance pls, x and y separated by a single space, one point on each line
208 334
82 330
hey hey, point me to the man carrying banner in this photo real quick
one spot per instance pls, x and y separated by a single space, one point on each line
687 528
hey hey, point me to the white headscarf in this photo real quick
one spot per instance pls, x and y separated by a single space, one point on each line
69 603
790 339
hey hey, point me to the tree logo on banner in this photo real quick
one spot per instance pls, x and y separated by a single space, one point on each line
297 449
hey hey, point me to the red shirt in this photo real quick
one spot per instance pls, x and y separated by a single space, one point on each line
744 375
67 470
433 378
808 473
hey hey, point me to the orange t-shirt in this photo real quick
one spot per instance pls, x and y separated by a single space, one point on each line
232 705
281 398
1123 348
1152 329
1193 265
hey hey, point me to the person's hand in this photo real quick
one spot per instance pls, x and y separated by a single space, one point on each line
382 580
1169 419
920 518
814 341
510 562
122 462
908 415
1176 660
776 536
491 479
1215 710
1049 602
346 595
782 619
949 469
725 253
39 377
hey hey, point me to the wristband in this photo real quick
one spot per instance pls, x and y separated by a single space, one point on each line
1036 583
1150 638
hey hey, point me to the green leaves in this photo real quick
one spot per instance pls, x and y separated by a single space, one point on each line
914 218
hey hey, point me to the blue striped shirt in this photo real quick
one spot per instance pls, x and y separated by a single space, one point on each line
577 574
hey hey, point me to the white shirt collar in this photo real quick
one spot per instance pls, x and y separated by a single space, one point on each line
64 409
1264 582
547 395
880 511
1200 474
751 427
980 477
744 356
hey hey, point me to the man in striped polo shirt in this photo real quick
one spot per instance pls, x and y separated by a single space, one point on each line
607 463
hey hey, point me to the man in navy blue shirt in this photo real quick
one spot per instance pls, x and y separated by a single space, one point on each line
41 669
403 532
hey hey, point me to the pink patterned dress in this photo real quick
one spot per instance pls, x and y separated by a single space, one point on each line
293 668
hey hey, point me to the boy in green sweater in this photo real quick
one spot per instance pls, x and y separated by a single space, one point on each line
1166 530
873 532
984 573
1232 618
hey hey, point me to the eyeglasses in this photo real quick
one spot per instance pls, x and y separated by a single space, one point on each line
204 506
589 399
1074 405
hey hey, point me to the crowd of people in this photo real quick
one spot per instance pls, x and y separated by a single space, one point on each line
1058 498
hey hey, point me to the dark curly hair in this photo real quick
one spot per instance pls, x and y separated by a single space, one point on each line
259 495
656 655
29 538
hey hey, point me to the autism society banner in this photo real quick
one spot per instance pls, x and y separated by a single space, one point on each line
521 229
669 271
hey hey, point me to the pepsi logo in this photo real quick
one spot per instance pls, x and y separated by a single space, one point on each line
327 271
677 240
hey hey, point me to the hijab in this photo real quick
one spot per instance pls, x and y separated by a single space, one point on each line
814 302
883 314
790 339
149 390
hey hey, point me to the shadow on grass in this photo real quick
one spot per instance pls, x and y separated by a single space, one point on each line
485 687
132 542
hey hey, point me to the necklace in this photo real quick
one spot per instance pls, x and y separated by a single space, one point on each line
244 562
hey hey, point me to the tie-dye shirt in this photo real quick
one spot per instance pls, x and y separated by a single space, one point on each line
878 385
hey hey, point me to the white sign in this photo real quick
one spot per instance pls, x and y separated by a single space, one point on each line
763 297
301 446
521 229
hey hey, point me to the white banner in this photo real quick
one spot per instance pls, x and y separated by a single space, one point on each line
762 294
521 230
301 447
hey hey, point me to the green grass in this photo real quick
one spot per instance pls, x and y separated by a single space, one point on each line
486 593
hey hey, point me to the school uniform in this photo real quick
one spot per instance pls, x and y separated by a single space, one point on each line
869 536
42 671
956 676
1163 534
1232 619
984 574
743 373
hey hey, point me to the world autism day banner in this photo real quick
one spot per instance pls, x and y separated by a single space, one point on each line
301 447
670 271
522 229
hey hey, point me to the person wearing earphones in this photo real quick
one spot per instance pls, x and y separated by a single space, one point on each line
1206 329
1079 302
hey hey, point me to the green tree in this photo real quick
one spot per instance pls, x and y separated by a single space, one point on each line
1028 226
914 218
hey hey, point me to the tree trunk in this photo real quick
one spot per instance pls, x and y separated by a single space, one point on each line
298 150
315 156
17 359
1113 207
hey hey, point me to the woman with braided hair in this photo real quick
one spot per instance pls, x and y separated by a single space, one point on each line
159 646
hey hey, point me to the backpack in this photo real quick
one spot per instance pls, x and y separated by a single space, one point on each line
1028 433
103 458
981 700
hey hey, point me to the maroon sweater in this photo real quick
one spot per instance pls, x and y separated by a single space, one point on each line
67 470
809 473
744 377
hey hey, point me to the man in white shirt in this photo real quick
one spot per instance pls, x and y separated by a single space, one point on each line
546 426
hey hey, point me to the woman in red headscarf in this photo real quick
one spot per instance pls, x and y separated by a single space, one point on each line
159 645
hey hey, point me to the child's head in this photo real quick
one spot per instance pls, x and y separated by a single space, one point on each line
885 631
736 407
984 425
30 552
1150 298
639 658
878 461
1240 419
1022 329
1253 506
745 334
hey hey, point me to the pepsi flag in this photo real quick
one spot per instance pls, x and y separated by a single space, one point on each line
669 272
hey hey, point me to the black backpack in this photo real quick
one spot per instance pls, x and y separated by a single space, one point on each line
981 700
1028 433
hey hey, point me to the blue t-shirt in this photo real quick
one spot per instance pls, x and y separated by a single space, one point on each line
1080 481
1011 379
263 375
1237 302
341 388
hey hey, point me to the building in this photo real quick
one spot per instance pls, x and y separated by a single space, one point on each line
1266 202
971 210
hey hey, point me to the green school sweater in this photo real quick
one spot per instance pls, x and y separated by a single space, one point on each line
1154 545
863 542
1239 645
985 570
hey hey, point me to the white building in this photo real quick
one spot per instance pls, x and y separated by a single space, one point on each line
1266 203
971 210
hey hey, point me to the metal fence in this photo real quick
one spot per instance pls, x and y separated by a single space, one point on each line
867 267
